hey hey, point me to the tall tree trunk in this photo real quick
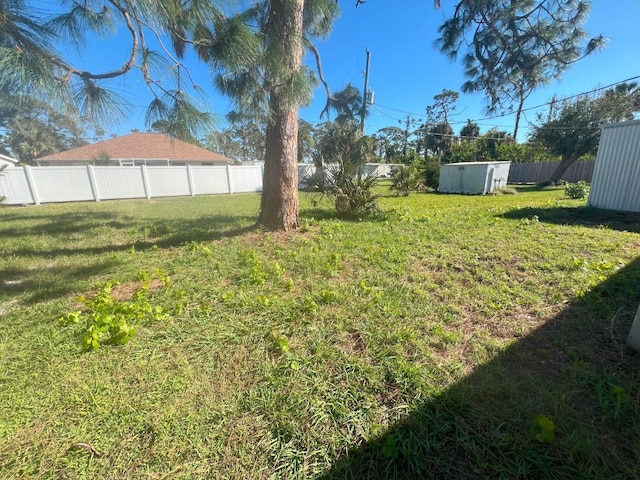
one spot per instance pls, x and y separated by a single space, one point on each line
563 167
279 203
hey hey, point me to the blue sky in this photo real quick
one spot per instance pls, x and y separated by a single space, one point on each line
406 70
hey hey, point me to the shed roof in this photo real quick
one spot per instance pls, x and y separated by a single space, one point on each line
473 163
139 145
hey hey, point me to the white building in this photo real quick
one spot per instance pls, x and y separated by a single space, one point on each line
4 160
476 178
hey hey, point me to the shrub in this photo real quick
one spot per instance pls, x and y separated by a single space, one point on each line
348 187
577 191
431 174
404 180
551 183
353 197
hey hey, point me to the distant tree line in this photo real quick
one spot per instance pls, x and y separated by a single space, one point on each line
567 131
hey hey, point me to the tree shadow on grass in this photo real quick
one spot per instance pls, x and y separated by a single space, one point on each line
36 284
13 224
145 234
585 216
573 370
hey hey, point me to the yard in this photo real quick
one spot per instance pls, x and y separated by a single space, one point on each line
453 337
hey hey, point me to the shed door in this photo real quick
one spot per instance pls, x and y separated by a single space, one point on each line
460 180
488 186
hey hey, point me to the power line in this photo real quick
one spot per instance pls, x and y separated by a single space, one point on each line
375 107
502 115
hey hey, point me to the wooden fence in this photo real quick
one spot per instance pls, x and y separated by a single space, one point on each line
539 172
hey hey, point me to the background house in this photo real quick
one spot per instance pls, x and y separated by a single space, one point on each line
4 160
136 148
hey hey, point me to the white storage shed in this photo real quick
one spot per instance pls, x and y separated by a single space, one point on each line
616 176
477 178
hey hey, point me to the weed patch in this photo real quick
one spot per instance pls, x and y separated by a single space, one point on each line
110 315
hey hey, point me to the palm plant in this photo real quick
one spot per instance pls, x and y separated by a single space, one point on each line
346 103
404 180
346 185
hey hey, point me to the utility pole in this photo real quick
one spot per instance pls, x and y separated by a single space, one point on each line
365 93
406 137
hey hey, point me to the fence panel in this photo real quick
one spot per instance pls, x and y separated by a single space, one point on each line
246 179
22 185
64 184
210 180
118 182
168 181
581 170
15 186
539 172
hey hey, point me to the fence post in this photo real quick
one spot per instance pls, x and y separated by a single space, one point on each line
32 185
92 181
229 181
145 181
192 189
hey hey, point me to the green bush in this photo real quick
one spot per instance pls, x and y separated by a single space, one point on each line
348 187
353 197
404 180
431 174
577 191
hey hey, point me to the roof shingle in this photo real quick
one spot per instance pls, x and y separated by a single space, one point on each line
139 145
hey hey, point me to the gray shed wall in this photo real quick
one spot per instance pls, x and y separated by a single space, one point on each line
477 178
616 177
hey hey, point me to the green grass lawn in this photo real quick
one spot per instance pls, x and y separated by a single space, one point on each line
453 337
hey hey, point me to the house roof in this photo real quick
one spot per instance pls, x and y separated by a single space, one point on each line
139 145
7 159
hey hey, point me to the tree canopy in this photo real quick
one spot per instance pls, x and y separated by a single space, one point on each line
470 131
573 129
390 143
242 140
346 103
31 65
511 47
255 53
31 128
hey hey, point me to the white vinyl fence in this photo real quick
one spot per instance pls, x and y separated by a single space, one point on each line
35 185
